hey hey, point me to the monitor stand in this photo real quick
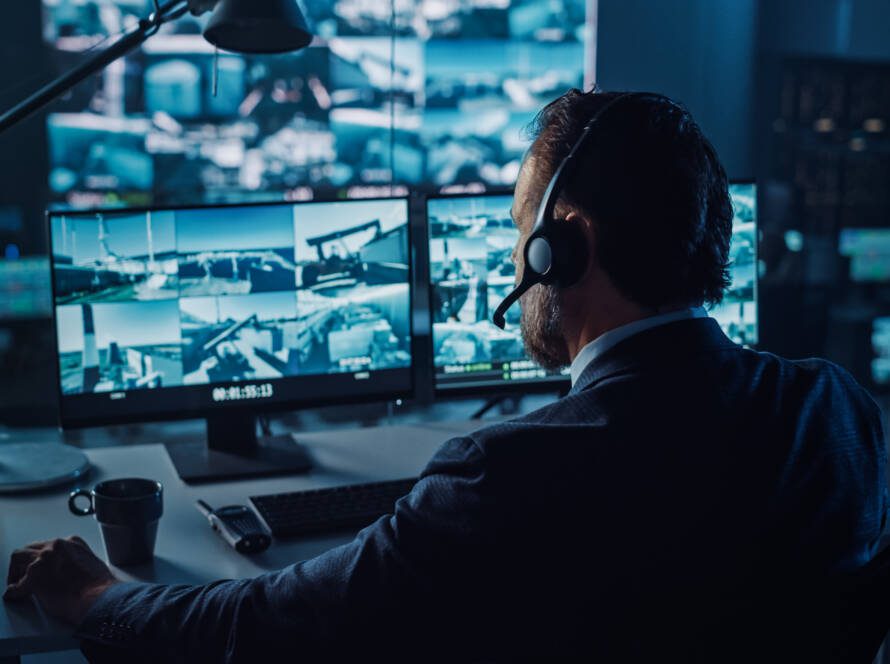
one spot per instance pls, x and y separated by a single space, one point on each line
234 451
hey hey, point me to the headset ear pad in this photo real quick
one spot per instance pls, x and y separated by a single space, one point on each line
570 255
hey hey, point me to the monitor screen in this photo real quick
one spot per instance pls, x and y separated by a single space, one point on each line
470 242
869 252
880 355
471 271
181 311
25 288
737 314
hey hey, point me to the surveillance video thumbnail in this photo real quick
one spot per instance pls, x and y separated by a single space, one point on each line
353 295
737 314
107 257
119 346
235 250
479 100
237 337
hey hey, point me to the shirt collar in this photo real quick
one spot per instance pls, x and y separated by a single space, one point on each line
614 336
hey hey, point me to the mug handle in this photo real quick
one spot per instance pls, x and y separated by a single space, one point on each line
72 503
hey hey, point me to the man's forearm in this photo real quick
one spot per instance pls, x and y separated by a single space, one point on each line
169 623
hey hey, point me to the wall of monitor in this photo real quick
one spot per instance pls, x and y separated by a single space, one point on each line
360 111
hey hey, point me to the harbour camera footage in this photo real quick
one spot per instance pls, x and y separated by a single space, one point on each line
353 296
443 102
250 293
106 257
471 241
235 251
471 271
119 346
737 314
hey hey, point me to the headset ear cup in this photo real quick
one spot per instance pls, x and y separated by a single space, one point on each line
539 256
570 254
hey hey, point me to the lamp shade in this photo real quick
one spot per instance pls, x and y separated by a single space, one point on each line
258 26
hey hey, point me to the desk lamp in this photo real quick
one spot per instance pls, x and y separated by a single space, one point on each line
242 26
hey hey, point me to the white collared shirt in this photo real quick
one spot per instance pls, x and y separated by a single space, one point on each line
609 339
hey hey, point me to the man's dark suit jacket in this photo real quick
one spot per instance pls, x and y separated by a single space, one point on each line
679 491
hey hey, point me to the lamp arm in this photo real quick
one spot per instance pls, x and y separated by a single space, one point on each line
168 11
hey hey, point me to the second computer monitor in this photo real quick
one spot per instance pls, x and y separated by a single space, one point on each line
471 239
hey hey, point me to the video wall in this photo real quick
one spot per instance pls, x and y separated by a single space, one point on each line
442 103
220 295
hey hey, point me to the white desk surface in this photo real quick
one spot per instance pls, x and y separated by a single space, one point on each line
187 550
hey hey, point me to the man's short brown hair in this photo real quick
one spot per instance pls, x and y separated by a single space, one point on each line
654 188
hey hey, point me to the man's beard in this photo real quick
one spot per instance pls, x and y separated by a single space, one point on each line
541 325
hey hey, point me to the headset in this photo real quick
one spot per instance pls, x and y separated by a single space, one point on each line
554 253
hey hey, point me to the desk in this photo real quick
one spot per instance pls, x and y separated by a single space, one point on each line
187 550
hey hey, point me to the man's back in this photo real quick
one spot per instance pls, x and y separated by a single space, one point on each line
683 483
671 498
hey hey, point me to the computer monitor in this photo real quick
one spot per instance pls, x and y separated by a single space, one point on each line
25 288
223 312
470 243
880 353
869 252
471 239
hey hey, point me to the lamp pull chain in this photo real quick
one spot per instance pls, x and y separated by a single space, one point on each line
215 71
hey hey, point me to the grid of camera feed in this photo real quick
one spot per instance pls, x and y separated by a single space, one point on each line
442 104
471 271
214 295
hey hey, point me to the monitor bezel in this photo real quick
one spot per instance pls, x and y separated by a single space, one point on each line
239 407
556 384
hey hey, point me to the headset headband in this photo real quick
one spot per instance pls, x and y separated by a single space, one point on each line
539 250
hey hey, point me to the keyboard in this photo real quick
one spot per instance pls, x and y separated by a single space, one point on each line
334 508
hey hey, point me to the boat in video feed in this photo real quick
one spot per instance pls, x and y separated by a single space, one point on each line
119 346
108 257
217 256
353 297
737 314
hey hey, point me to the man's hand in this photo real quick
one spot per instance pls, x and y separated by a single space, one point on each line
64 575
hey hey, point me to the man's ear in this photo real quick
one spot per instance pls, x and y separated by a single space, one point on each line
583 231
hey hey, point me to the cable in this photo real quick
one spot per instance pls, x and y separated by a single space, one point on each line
30 81
392 105
265 426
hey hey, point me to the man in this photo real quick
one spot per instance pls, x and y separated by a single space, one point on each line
684 488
